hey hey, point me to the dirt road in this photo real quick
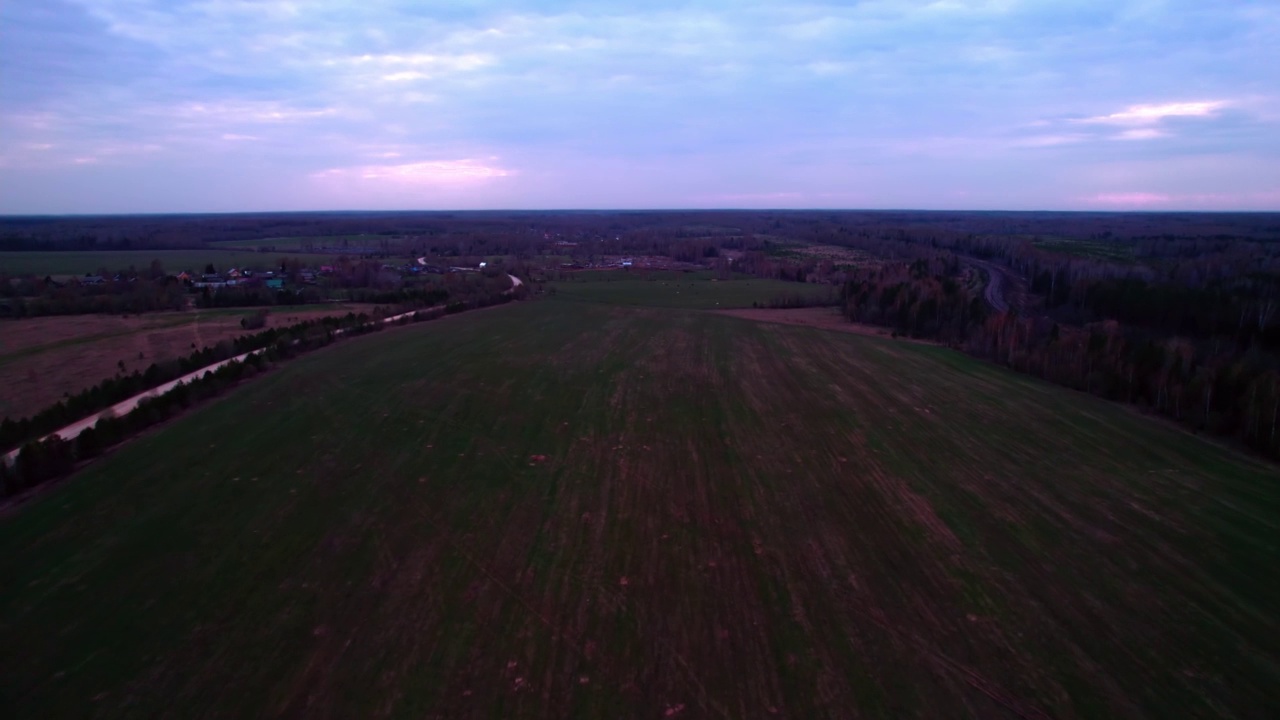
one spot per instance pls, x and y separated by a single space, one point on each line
996 283
515 281
124 407
70 432
44 359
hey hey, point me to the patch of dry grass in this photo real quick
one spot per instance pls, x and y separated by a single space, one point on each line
42 359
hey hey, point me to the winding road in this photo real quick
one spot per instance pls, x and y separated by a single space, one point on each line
995 290
515 281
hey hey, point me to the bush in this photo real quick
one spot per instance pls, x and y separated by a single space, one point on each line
256 321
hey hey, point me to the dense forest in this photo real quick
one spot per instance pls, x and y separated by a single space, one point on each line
1186 328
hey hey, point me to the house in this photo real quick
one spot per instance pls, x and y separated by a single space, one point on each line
275 283
184 276
233 273
92 280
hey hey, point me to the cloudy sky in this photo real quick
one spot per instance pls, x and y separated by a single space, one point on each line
228 105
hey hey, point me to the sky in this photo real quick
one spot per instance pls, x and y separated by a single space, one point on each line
114 106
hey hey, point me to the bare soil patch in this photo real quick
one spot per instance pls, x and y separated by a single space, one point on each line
823 318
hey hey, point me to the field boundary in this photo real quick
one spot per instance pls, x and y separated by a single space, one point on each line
819 318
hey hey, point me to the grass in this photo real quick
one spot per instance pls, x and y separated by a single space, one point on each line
1096 249
736 518
683 290
80 263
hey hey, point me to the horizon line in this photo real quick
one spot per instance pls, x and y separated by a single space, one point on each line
474 211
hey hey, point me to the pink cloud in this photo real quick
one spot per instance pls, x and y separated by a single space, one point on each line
1141 134
1130 198
1200 201
753 197
434 171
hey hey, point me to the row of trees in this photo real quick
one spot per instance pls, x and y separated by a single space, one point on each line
130 292
1211 384
34 297
113 390
480 291
40 461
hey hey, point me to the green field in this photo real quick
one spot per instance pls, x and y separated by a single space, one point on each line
562 508
682 290
80 263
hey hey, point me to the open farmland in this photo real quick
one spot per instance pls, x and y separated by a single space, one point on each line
91 261
684 290
572 509
43 358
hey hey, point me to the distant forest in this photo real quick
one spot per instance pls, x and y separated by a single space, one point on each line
525 228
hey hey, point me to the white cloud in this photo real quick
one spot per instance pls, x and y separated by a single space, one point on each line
431 171
1049 140
815 93
244 111
1150 114
467 61
1141 134
406 76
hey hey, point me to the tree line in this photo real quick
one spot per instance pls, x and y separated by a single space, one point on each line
113 390
40 461
1206 355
